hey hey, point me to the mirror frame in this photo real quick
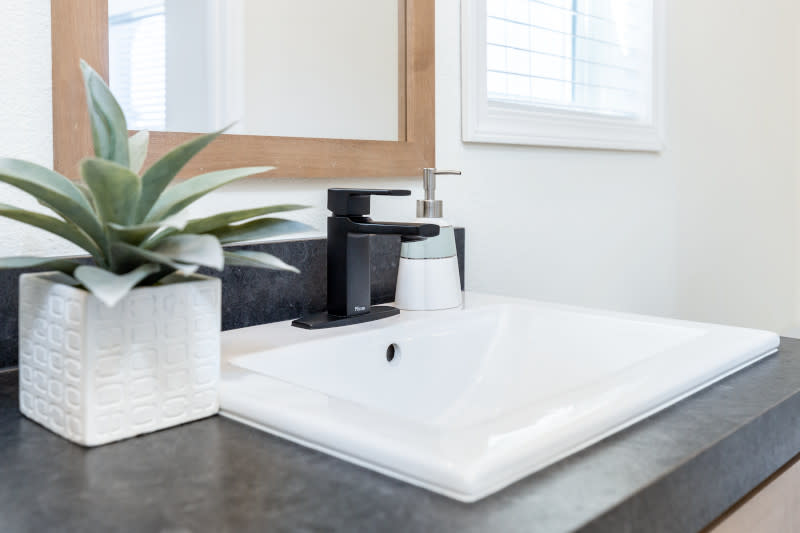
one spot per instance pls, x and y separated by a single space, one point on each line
79 29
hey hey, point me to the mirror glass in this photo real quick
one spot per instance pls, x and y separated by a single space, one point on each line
290 68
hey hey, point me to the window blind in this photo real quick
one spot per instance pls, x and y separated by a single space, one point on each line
137 61
592 56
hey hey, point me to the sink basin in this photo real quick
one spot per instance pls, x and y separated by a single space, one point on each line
466 401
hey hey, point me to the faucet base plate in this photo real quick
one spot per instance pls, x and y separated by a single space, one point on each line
324 320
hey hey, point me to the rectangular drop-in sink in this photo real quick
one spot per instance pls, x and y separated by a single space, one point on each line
466 401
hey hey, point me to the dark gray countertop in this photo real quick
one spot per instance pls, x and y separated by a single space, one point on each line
675 471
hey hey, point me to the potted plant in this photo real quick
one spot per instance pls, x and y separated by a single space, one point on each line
129 343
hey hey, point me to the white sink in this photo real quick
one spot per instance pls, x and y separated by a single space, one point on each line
475 398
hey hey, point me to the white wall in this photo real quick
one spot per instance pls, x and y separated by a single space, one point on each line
26 126
796 330
706 230
735 144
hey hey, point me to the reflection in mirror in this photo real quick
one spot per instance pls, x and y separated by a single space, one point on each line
290 68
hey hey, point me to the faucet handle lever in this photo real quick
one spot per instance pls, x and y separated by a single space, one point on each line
355 202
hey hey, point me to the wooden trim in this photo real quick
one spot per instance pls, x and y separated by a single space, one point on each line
401 70
80 30
76 33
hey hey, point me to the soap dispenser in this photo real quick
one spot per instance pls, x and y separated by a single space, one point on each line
428 277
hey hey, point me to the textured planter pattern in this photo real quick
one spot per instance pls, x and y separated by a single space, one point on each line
94 374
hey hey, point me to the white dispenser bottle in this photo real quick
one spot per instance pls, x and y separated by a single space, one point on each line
428 277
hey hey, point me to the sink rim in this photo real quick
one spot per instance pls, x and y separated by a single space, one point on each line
288 339
336 426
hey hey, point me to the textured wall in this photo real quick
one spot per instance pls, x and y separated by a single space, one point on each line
25 116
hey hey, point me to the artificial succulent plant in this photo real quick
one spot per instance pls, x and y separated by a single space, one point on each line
132 223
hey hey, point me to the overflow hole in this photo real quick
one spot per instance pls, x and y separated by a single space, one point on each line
393 353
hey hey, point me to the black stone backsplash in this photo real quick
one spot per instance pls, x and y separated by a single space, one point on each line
253 296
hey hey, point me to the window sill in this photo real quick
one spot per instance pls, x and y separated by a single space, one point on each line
508 123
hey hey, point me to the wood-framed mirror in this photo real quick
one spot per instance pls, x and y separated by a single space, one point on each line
80 29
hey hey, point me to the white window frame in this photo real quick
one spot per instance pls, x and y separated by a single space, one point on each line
485 121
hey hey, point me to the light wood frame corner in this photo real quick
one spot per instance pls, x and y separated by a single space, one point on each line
80 30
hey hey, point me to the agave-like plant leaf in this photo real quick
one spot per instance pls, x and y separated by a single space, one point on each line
115 189
66 266
174 277
108 287
52 225
139 233
127 256
62 278
137 149
197 249
181 195
210 223
109 129
135 235
163 171
260 228
40 181
248 258
218 221
54 191
86 193
135 227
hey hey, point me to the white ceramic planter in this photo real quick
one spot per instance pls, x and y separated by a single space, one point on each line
95 374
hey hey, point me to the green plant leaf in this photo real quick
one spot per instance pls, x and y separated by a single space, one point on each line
109 129
260 228
156 238
137 149
174 277
55 192
181 195
135 234
206 224
66 266
60 277
115 189
108 287
249 258
53 225
197 249
220 220
129 256
163 171
39 181
86 194
138 233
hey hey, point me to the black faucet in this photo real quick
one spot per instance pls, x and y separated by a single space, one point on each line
349 230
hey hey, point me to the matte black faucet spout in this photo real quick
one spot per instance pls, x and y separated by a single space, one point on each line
349 230
371 227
